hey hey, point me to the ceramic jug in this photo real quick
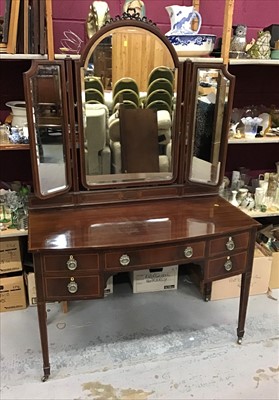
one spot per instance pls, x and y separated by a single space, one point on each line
181 18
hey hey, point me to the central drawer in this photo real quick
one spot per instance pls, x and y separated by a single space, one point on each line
154 257
65 288
70 262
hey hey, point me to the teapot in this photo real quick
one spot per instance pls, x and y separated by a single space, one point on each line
181 18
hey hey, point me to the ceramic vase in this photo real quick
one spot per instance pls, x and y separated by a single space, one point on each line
233 200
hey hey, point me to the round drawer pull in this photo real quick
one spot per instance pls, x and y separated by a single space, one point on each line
230 244
124 260
228 265
188 252
71 263
72 286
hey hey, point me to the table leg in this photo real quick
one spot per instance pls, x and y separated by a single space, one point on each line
244 296
41 307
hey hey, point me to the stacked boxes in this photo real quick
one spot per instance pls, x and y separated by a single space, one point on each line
260 281
12 290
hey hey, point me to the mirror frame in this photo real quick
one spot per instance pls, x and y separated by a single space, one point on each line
192 126
32 132
145 24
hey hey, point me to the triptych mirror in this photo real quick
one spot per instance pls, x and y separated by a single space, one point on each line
140 115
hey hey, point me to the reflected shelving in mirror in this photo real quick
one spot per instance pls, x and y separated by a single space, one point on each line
47 119
210 120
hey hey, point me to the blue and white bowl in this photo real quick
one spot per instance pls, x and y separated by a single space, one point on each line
193 45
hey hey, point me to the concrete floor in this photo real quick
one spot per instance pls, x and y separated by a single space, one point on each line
167 345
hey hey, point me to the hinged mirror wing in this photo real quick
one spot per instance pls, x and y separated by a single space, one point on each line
211 108
128 106
46 100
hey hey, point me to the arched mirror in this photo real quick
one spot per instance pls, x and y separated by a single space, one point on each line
48 127
211 105
128 116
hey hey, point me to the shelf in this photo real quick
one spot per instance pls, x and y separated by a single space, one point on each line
14 146
202 59
259 214
5 56
12 233
265 140
245 61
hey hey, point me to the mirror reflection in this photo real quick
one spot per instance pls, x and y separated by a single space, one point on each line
48 117
211 96
128 98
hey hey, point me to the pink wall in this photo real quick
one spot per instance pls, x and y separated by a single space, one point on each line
256 14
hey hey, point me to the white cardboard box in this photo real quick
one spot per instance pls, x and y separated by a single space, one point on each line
230 287
154 280
31 288
109 288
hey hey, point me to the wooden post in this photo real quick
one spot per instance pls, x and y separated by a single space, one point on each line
49 26
13 25
196 5
227 30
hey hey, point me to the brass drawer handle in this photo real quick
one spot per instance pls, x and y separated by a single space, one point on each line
71 263
72 286
230 244
188 252
228 264
124 260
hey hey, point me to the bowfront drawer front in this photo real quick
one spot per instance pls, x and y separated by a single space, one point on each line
72 288
226 266
70 262
227 244
154 257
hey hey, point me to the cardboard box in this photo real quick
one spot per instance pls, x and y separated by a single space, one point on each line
154 280
230 287
12 293
10 257
31 288
274 275
109 288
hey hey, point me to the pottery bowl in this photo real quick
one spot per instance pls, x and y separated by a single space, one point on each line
18 113
194 45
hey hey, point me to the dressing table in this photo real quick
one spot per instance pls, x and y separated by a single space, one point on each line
136 210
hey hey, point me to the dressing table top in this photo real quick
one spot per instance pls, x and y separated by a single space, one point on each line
142 223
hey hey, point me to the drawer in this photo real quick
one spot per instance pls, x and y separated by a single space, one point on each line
228 244
65 288
70 262
226 266
158 256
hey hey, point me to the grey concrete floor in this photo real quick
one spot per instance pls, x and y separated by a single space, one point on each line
165 345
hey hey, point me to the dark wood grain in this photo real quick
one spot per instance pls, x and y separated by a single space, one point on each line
136 224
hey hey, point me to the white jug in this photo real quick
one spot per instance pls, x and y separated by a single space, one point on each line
181 18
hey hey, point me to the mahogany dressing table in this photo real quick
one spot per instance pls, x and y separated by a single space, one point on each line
90 217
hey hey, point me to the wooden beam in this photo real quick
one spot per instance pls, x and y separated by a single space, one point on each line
11 45
196 5
49 27
227 30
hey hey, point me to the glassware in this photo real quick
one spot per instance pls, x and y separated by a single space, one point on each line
259 197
